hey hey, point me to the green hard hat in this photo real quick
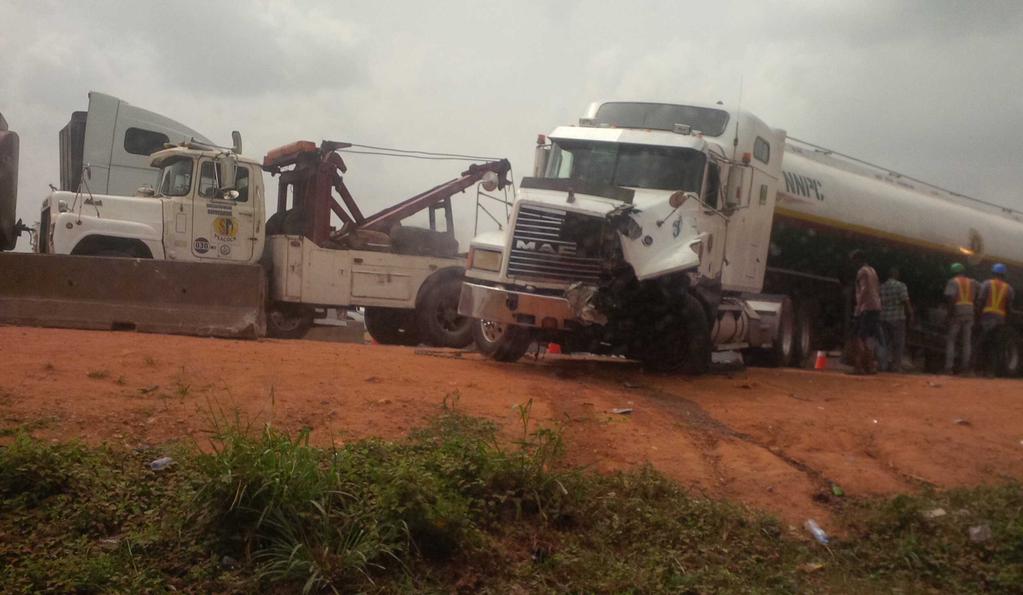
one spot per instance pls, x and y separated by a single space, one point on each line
957 267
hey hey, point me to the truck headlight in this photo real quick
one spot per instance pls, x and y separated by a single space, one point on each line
487 260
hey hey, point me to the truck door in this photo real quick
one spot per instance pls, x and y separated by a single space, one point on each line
761 211
174 190
222 228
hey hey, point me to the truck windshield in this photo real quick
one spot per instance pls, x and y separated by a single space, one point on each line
175 177
629 166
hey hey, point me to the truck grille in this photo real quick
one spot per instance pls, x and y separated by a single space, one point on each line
554 244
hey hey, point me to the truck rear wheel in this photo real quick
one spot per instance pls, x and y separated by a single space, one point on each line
288 321
392 326
501 342
802 352
437 315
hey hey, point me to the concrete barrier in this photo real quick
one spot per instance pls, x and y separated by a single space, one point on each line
154 296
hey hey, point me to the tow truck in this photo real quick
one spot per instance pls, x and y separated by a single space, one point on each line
195 254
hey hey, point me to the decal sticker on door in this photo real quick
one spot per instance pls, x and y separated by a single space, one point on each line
201 245
225 229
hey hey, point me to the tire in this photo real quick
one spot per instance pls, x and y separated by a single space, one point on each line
500 342
288 321
804 335
392 326
437 315
680 340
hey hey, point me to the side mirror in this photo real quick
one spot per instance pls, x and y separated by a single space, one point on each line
231 195
145 190
228 170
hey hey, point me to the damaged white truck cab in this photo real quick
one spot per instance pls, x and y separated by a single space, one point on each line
644 232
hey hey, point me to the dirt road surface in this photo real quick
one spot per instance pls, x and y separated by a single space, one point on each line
775 440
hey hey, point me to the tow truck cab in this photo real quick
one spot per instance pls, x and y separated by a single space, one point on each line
206 205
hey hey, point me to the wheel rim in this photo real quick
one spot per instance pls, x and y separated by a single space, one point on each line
283 322
447 316
491 330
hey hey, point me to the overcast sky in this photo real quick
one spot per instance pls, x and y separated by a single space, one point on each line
930 88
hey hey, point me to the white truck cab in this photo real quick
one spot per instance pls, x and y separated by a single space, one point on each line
636 220
191 211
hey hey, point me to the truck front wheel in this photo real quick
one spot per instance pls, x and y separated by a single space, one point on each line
437 315
288 321
500 342
679 340
392 326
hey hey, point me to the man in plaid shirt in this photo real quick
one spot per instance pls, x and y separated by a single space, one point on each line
896 310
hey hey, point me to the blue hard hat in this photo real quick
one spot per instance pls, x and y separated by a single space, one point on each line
999 269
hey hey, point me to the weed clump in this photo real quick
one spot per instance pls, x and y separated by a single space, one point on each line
336 518
33 471
901 542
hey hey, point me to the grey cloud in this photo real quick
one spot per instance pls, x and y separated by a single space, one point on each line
927 87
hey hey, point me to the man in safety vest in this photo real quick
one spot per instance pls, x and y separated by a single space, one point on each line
994 302
961 292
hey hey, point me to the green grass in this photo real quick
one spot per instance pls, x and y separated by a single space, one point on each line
451 509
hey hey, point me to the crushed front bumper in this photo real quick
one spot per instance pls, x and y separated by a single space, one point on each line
515 307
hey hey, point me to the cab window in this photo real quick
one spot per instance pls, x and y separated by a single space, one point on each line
209 181
713 187
175 176
761 150
241 184
139 141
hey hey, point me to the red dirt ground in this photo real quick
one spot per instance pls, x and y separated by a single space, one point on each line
772 439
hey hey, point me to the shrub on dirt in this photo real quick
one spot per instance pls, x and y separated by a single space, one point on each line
900 539
34 471
337 518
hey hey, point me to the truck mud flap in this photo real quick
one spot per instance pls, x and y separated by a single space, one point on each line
153 296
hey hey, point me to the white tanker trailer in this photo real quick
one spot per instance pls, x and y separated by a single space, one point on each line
663 232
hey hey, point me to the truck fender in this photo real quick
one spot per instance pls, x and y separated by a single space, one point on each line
99 244
70 229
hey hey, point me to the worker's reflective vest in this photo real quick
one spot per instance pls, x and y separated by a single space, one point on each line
965 291
996 297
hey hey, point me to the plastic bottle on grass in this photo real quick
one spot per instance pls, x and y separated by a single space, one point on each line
161 463
815 530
